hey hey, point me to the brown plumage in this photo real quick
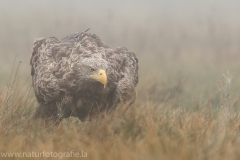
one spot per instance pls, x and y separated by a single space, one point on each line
81 76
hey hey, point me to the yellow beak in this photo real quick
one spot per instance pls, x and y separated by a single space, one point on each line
100 76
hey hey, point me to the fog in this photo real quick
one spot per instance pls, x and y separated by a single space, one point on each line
145 27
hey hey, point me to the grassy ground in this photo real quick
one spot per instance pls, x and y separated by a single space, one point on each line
179 114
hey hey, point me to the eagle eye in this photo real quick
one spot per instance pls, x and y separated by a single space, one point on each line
92 69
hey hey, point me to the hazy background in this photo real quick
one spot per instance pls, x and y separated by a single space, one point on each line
183 46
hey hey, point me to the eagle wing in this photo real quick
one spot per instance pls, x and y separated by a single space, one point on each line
45 84
124 72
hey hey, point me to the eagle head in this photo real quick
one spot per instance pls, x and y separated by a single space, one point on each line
93 70
99 75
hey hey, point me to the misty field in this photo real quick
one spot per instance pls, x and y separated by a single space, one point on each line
188 96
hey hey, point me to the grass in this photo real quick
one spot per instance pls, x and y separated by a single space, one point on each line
160 127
